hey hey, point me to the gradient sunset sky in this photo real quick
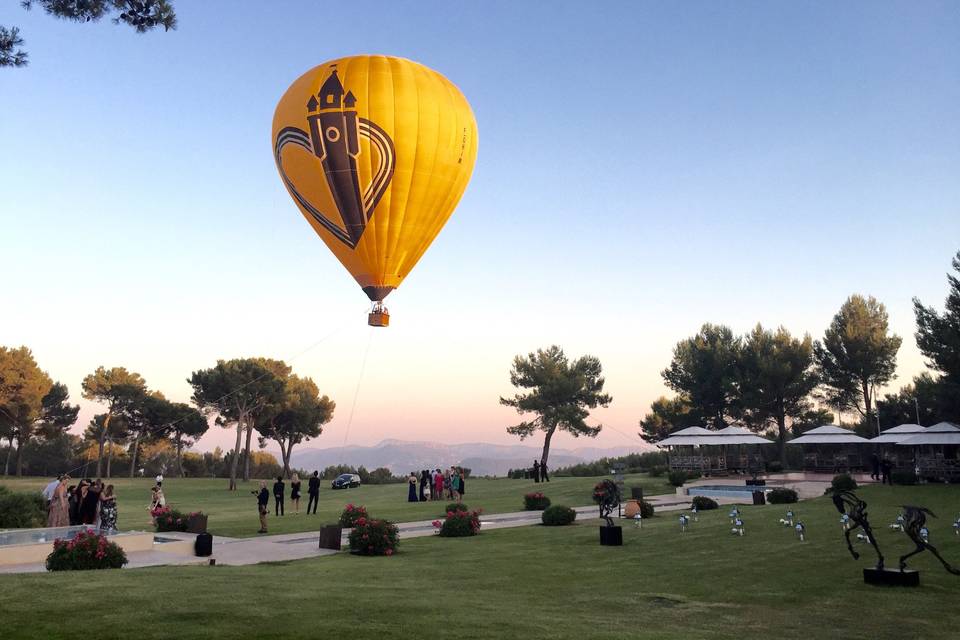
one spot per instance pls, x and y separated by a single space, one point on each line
643 168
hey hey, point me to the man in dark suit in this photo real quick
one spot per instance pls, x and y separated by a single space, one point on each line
313 490
278 496
543 472
536 471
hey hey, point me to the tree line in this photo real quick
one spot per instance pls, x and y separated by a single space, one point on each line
251 395
771 380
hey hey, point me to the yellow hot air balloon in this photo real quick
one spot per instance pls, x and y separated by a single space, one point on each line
376 151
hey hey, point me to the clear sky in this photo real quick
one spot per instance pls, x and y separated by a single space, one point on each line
643 168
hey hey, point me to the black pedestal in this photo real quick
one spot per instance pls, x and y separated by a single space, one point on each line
330 537
203 546
611 536
892 577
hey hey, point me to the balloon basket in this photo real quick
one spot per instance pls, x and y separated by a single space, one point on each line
379 318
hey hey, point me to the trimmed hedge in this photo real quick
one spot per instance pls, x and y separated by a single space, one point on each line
22 510
678 477
456 506
781 495
535 501
558 515
703 503
843 482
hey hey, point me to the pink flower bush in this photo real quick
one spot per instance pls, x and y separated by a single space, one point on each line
351 515
460 523
374 538
86 550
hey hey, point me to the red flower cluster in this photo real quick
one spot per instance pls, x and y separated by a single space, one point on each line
352 515
372 537
459 523
86 550
536 495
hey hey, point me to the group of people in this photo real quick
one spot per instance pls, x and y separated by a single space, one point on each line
539 471
88 502
436 485
279 492
881 469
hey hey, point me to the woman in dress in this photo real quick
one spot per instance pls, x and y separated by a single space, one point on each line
412 492
73 504
461 486
108 509
59 513
295 492
438 485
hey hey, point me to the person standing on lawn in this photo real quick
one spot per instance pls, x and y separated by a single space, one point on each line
438 485
461 484
108 509
263 505
412 491
536 471
58 514
295 492
313 491
543 472
278 496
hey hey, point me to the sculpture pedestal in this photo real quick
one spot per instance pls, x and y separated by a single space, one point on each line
611 536
330 537
892 577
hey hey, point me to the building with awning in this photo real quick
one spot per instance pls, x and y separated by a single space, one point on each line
713 451
831 448
936 452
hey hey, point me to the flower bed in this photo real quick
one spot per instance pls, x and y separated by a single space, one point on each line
458 524
373 537
351 515
535 501
169 519
87 550
456 506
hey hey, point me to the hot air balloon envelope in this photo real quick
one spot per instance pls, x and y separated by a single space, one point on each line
376 152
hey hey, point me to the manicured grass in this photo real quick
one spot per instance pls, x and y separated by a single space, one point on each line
235 513
533 582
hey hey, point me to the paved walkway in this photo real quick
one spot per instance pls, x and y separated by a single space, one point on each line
297 546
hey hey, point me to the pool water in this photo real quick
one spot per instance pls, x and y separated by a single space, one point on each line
41 536
725 490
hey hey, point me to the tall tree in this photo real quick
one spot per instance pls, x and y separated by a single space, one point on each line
666 415
559 394
185 426
117 388
147 414
938 338
858 354
142 15
237 391
920 402
704 371
776 379
300 417
107 436
23 387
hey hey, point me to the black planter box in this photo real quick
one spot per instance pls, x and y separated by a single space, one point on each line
611 536
759 497
892 577
330 536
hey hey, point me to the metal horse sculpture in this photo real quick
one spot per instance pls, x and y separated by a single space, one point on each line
856 509
914 520
607 496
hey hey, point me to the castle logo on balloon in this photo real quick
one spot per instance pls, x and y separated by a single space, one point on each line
376 152
334 138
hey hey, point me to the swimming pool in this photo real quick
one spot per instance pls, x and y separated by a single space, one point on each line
725 490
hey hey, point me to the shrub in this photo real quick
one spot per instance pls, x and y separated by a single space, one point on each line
703 503
456 506
459 523
535 501
646 509
351 514
21 510
558 516
774 466
678 477
903 477
843 482
373 537
781 495
87 550
657 470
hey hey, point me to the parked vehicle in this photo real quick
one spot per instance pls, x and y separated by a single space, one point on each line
346 481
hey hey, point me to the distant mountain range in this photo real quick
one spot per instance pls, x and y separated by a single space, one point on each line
401 456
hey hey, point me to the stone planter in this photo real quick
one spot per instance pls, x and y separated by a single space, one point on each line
330 536
197 524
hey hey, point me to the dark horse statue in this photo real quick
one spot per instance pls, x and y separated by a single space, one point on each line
914 520
607 496
856 509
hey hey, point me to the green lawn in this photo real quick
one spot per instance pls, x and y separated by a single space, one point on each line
532 582
235 513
